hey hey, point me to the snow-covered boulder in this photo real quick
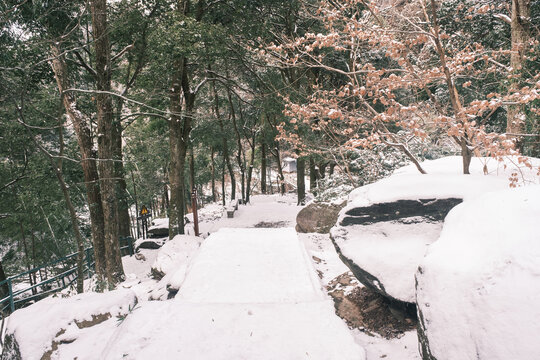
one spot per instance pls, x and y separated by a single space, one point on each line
478 288
38 331
383 232
159 228
317 217
149 243
171 264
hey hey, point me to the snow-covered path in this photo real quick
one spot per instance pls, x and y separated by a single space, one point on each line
251 266
248 294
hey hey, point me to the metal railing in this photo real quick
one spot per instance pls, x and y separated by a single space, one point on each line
63 271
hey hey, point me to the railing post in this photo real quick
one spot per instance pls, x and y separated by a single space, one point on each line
11 302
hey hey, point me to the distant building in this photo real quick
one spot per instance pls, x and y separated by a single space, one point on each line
288 165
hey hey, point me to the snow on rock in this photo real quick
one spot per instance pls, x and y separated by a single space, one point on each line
444 179
159 223
171 264
175 253
383 232
159 228
40 328
479 285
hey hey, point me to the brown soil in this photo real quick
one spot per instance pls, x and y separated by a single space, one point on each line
364 309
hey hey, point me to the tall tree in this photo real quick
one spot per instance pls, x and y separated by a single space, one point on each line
106 140
520 30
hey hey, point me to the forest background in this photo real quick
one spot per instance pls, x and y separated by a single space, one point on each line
108 105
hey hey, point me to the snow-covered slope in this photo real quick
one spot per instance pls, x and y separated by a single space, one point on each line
479 285
34 329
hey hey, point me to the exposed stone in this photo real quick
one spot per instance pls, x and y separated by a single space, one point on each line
150 244
317 217
96 319
430 209
158 232
140 257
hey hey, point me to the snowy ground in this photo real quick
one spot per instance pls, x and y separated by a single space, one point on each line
224 312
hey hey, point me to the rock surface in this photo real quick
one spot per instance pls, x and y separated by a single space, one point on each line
149 243
317 217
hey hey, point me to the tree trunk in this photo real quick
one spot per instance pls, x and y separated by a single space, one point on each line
223 183
263 166
4 289
213 172
520 24
57 168
454 96
121 186
312 174
466 154
238 144
34 262
74 225
115 271
177 158
27 257
269 168
250 168
88 162
224 141
165 205
322 169
136 204
301 180
192 169
281 177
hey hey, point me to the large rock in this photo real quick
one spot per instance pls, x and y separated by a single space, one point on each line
384 231
383 249
159 228
149 243
317 217
478 288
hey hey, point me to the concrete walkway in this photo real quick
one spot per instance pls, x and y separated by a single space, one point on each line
248 294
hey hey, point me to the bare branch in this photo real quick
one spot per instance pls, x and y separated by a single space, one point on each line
124 50
504 18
